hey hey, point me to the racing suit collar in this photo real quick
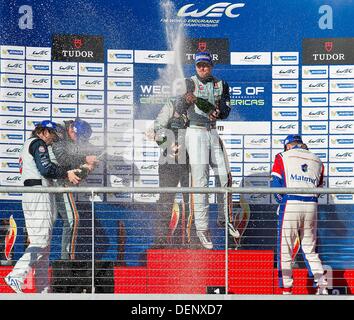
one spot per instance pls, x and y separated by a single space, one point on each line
297 146
205 80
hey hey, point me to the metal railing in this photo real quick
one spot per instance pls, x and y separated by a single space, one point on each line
226 191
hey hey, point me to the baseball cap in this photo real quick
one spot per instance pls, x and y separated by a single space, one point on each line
292 138
50 125
82 129
203 57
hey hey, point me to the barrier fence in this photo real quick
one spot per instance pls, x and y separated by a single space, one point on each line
153 248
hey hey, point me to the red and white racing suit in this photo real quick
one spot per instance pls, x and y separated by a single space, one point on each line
297 168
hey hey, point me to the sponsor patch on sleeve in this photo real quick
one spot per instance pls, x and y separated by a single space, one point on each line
41 149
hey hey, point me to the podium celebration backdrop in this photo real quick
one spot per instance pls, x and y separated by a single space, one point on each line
289 64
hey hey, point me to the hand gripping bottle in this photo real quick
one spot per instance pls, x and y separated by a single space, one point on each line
82 172
204 105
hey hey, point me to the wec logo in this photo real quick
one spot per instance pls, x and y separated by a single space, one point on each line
319 140
254 57
156 56
347 70
289 126
291 71
40 53
344 155
214 11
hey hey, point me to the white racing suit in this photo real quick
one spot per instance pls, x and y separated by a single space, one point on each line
39 211
205 149
297 168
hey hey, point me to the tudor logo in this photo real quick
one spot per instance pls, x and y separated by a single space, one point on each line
218 48
214 11
202 46
328 46
77 48
78 43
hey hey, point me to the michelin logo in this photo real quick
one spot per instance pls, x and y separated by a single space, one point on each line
342 114
89 69
233 141
290 114
279 58
71 111
314 72
38 67
344 197
124 84
91 97
256 183
286 58
92 69
8 137
342 169
120 56
256 156
10 109
342 86
316 99
12 81
12 52
285 86
321 155
317 72
63 83
335 142
314 127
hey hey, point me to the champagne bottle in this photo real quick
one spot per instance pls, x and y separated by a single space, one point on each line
83 173
176 123
204 105
160 139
